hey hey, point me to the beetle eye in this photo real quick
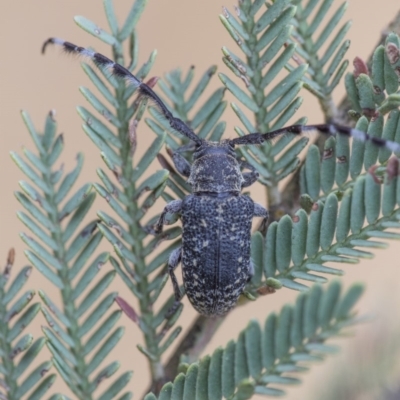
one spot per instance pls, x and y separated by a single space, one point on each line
199 144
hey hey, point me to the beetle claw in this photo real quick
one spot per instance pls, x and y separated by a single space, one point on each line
248 295
172 310
150 230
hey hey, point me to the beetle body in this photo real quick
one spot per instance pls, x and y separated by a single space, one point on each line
216 229
216 250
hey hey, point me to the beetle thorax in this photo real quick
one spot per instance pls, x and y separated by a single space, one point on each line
215 169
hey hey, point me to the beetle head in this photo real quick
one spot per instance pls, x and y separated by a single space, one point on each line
215 169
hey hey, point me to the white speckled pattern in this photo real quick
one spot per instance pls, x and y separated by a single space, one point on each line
216 250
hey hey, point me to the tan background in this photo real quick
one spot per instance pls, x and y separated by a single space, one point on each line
185 33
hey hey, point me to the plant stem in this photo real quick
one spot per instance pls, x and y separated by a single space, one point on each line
82 390
145 304
193 344
272 191
8 385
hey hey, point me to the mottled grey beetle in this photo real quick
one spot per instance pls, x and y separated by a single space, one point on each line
216 227
216 217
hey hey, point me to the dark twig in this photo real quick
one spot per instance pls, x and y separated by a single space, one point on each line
191 346
10 262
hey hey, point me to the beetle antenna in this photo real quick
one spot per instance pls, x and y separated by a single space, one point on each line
121 72
331 129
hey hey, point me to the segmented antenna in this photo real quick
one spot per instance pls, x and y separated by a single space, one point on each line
121 72
331 129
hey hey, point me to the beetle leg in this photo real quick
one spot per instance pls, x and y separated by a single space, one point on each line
248 295
249 177
190 147
181 164
260 211
172 207
251 271
174 260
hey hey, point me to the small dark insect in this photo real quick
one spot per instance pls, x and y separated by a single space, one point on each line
216 217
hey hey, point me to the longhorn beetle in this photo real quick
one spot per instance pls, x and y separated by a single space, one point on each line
216 217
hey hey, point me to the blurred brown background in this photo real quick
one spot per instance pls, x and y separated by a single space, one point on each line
184 33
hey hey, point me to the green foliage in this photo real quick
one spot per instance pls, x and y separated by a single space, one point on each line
264 357
325 68
61 249
295 248
346 200
372 98
130 191
263 41
334 231
375 93
17 351
338 168
340 174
